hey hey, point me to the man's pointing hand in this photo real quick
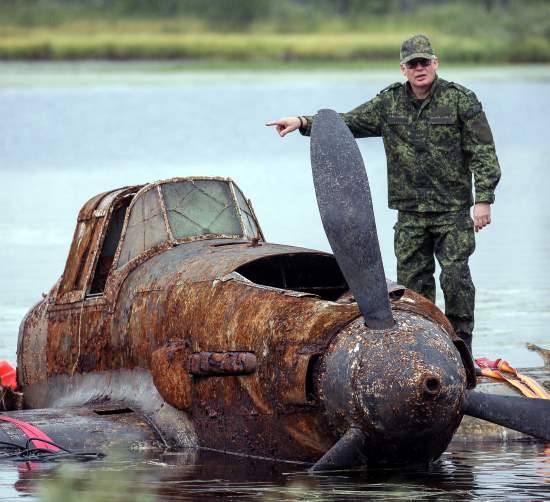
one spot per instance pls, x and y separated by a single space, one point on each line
285 125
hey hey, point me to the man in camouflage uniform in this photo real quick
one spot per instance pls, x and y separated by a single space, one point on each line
436 136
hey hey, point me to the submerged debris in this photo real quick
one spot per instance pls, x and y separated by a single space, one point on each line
544 353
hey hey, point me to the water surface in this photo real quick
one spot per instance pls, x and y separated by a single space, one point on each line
498 472
70 131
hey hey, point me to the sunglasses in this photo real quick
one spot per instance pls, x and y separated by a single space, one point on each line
411 65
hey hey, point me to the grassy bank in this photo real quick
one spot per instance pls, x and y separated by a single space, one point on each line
71 43
273 30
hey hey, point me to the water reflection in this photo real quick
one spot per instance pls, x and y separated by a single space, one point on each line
490 471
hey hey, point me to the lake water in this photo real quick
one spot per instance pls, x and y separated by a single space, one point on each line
70 131
497 472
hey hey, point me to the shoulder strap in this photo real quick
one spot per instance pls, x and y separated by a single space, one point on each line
461 88
395 85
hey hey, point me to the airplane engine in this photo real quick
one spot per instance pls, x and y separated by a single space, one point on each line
398 391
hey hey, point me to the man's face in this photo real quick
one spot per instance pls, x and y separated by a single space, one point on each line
420 72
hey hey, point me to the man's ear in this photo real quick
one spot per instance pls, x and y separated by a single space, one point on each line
436 63
403 70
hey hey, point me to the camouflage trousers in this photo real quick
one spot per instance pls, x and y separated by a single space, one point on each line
450 237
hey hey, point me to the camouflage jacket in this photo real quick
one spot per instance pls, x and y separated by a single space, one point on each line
432 147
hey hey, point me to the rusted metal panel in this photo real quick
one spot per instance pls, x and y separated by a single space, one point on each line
203 364
182 317
93 342
85 245
231 315
169 367
147 316
415 303
294 389
183 296
63 340
32 345
299 435
77 340
134 388
97 428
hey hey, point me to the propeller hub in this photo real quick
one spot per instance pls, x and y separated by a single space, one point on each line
402 386
431 385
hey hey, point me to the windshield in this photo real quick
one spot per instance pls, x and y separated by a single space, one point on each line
195 208
249 222
199 207
145 227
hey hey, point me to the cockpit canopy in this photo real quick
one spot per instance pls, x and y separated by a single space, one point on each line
117 227
184 210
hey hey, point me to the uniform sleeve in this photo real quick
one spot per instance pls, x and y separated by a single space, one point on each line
479 148
364 121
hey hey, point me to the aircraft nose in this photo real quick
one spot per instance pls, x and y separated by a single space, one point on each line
431 385
403 387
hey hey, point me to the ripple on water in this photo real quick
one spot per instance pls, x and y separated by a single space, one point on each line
519 471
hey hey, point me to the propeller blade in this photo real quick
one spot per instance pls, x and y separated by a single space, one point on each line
345 204
346 453
528 415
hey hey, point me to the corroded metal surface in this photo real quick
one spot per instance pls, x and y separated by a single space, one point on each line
90 229
403 386
101 427
134 388
139 338
222 363
32 343
414 303
169 367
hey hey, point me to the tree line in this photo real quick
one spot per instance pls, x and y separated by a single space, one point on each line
239 14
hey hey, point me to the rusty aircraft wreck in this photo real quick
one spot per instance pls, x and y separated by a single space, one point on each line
176 324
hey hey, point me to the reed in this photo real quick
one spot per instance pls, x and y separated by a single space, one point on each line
67 44
288 31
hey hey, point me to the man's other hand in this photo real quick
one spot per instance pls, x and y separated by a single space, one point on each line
482 215
285 125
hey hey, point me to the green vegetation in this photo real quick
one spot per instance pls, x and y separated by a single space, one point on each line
490 31
75 483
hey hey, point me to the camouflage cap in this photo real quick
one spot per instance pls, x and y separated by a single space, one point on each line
415 47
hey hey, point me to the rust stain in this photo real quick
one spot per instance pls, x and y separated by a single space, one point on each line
170 374
222 363
246 360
